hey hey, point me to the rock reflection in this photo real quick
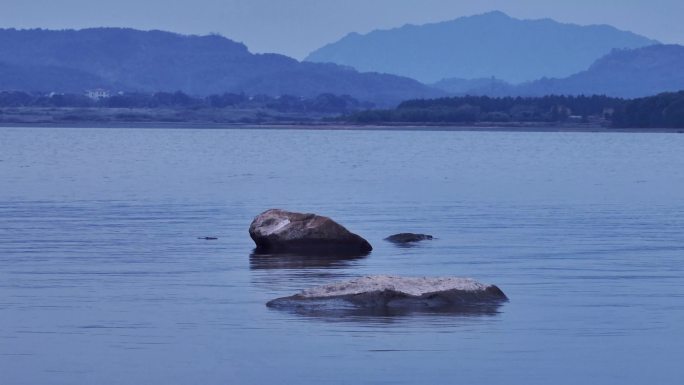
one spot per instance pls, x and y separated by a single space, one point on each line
409 245
289 271
263 261
339 311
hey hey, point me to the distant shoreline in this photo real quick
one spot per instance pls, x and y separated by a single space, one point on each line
323 126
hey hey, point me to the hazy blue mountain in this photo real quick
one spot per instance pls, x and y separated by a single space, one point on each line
484 86
622 73
626 73
150 61
482 46
46 77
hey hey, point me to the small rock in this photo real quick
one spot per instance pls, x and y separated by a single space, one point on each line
408 238
279 231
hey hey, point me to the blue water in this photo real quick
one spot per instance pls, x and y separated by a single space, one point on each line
103 279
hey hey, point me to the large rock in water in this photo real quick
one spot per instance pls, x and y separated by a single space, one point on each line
388 295
283 231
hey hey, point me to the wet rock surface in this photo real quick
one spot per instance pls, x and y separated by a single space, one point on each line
388 295
408 238
280 231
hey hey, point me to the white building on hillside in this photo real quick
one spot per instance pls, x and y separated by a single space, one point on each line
98 93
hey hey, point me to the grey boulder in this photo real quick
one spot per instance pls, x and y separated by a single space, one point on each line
390 295
280 231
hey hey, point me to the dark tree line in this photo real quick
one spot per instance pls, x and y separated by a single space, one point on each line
324 103
660 111
470 109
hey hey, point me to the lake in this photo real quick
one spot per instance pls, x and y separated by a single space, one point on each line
103 279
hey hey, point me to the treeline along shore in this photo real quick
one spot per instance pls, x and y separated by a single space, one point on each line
170 107
663 111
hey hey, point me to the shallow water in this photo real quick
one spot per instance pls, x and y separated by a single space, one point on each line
103 279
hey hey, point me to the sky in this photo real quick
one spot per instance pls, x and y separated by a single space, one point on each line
297 27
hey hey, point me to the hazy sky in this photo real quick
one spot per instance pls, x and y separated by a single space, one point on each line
296 27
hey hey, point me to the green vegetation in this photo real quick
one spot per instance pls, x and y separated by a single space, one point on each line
324 103
472 109
177 108
660 111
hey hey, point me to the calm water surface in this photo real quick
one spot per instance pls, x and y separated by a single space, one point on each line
103 279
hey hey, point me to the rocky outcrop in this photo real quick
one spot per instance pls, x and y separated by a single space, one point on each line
408 238
395 295
279 231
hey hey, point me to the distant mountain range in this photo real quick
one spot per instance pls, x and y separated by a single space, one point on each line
622 73
151 61
482 46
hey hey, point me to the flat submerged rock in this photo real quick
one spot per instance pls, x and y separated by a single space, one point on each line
411 286
390 295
